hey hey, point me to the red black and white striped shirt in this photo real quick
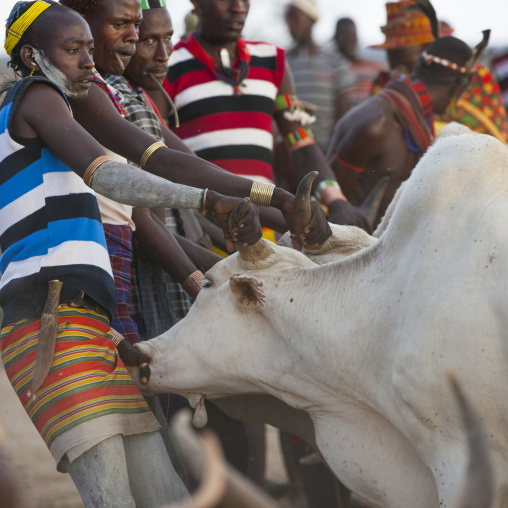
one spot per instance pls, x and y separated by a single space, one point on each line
231 130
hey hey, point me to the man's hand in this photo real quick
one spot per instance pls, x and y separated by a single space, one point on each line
316 233
133 357
343 212
248 231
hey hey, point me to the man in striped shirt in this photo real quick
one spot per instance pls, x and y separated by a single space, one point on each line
322 74
228 92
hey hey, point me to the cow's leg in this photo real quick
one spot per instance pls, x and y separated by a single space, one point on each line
374 460
270 410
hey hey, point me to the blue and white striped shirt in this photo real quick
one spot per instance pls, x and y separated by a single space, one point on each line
50 225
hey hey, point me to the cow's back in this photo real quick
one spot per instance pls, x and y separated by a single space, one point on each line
446 250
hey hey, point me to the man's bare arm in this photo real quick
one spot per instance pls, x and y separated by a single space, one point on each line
311 157
99 117
358 140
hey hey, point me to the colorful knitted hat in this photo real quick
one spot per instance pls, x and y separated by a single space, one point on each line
152 4
405 26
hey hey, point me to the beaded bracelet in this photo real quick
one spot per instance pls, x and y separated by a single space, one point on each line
321 186
149 152
261 193
299 138
90 170
193 284
286 101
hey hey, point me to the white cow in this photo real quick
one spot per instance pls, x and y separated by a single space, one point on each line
363 344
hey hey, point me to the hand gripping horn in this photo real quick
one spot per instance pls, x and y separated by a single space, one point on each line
260 250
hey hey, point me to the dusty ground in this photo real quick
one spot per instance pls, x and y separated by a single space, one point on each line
38 483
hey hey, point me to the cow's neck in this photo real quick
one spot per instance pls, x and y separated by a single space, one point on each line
317 324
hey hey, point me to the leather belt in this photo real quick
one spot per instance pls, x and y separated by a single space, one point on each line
82 301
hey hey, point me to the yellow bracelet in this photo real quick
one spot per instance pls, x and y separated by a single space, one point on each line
149 152
90 170
261 193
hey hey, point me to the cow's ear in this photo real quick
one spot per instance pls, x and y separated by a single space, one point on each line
247 291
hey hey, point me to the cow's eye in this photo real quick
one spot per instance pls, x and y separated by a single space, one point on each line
207 283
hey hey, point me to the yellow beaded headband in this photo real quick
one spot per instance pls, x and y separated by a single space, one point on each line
20 26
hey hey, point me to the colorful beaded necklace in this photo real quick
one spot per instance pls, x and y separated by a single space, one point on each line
112 95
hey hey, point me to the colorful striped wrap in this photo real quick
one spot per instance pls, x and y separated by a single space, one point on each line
88 395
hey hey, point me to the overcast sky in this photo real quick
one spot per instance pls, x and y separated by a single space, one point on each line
265 20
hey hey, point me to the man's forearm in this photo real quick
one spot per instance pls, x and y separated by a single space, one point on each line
273 219
160 246
129 185
191 170
202 258
311 158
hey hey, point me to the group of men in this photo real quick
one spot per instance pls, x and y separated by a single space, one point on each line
220 95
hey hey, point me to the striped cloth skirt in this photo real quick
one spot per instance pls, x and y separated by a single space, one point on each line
88 395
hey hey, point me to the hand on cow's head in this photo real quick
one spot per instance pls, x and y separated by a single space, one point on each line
247 292
248 229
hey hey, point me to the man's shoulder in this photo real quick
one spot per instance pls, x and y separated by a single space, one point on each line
369 120
180 54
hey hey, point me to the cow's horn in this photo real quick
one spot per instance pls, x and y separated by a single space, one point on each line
301 211
260 250
371 205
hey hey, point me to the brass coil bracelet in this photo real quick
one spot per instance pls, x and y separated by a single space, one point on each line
149 152
261 193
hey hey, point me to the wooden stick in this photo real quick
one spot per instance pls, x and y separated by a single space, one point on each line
117 56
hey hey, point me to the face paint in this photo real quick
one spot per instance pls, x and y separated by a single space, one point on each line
54 74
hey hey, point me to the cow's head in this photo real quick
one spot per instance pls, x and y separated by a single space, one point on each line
228 338
233 335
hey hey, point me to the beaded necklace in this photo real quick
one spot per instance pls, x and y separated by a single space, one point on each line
231 76
112 95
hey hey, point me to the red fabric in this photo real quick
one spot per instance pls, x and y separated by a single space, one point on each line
156 110
230 120
237 167
249 109
412 106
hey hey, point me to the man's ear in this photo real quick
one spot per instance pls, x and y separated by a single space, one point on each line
247 292
27 56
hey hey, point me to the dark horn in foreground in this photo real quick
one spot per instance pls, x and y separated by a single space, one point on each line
301 211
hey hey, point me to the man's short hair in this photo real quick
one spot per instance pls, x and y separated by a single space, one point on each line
81 6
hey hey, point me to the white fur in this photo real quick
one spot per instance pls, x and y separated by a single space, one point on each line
364 344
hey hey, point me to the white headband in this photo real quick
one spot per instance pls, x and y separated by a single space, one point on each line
309 7
443 61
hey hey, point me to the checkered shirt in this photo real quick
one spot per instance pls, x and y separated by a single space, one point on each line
147 298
